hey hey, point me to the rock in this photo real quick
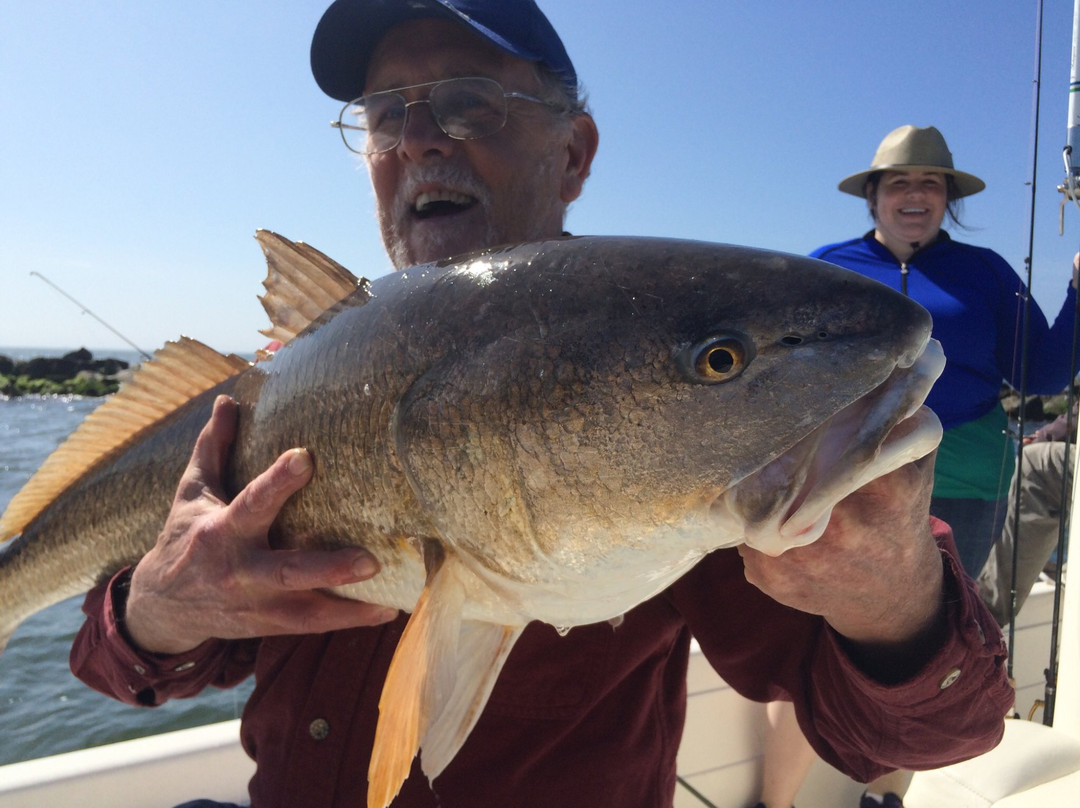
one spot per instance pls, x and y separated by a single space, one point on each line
75 373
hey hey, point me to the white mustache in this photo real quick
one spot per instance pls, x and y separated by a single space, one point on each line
448 177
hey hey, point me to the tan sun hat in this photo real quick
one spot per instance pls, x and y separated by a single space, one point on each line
912 149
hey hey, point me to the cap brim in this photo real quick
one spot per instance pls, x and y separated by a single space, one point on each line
966 184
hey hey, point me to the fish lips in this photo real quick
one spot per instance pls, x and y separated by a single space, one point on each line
788 502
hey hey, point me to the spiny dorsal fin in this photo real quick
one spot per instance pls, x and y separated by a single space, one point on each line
178 372
301 283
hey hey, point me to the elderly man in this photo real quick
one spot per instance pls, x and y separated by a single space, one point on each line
872 631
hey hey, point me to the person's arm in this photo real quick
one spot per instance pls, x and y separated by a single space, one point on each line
1049 345
1056 430
213 577
875 576
104 658
874 632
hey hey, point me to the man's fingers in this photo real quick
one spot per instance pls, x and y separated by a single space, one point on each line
302 570
212 446
256 506
315 613
303 578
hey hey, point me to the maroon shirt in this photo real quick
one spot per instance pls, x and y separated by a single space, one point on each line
592 718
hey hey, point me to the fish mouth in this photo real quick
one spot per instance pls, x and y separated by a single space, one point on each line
788 502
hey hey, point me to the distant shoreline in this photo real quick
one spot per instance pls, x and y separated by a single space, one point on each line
25 352
79 372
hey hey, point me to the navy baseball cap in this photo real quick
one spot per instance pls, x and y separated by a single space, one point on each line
349 30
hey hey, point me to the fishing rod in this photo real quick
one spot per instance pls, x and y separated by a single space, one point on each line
1025 320
1070 187
85 310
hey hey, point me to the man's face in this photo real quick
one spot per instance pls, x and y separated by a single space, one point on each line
437 197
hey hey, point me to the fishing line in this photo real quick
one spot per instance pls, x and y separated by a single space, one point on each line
1050 696
1025 329
85 310
1069 189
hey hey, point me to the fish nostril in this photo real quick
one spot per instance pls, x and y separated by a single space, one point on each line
791 339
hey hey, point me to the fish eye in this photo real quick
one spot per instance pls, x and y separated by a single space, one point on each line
718 359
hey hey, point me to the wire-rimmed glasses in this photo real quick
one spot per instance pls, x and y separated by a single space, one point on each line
464 108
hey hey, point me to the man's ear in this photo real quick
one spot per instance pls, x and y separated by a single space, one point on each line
581 149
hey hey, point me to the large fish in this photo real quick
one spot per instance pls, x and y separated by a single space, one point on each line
554 431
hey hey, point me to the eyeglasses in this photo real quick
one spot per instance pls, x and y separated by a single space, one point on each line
464 108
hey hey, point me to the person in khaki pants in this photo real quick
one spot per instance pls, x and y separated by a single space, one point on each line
1045 485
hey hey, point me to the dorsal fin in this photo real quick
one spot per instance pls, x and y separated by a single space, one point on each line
178 372
301 284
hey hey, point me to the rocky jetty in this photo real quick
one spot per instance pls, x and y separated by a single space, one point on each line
76 373
1037 408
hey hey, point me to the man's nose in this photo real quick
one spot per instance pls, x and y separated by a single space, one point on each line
421 134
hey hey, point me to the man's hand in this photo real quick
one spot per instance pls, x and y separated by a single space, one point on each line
212 572
875 575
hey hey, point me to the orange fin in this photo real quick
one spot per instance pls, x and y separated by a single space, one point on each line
482 650
178 372
402 713
435 688
301 284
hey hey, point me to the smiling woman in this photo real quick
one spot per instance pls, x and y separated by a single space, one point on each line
972 295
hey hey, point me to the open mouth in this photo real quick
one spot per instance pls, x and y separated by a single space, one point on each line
789 501
441 203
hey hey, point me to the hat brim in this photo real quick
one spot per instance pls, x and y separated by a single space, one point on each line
966 184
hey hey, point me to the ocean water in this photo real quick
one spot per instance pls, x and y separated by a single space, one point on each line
44 709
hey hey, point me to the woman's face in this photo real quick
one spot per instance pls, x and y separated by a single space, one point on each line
908 208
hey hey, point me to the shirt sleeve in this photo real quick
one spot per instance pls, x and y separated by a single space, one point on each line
952 709
1050 348
103 658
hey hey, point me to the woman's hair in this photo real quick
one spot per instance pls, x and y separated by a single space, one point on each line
953 202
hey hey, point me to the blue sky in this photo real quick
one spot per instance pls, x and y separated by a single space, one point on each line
143 142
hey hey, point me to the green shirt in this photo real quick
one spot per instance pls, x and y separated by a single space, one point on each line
976 459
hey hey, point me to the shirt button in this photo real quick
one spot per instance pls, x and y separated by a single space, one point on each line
139 669
185 666
950 678
319 729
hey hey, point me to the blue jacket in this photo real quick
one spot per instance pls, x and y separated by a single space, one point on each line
976 300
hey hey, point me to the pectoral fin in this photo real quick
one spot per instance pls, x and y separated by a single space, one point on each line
437 684
482 650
